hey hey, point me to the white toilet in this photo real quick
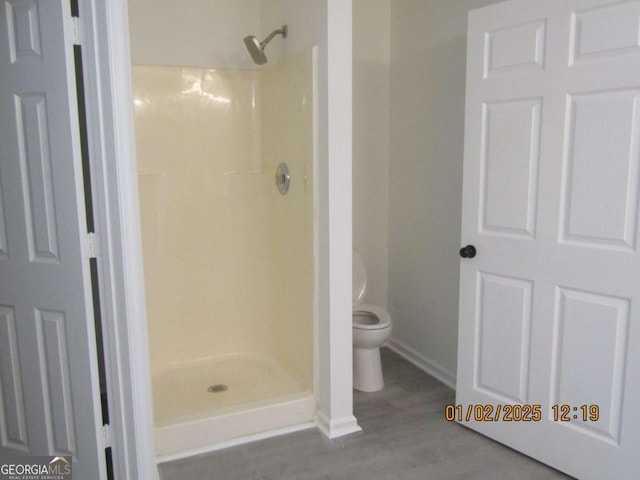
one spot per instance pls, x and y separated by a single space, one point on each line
371 329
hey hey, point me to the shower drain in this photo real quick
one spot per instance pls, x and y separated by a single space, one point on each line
217 388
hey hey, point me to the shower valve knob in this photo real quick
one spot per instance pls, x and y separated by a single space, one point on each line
283 178
468 252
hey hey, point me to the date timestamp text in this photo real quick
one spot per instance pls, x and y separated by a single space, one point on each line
520 413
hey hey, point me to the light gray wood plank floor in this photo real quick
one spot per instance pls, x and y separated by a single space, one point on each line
404 437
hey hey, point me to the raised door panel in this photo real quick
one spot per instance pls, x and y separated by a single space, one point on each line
515 49
589 360
511 146
23 29
503 326
600 194
605 31
36 172
13 422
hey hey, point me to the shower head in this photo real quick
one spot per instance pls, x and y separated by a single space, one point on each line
256 48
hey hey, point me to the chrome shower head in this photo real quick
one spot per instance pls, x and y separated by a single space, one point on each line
256 48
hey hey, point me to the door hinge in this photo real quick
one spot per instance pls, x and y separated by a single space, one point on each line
91 246
106 435
76 30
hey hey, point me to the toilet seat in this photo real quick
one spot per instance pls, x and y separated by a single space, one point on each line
383 319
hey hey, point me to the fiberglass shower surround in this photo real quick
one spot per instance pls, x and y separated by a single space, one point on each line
229 261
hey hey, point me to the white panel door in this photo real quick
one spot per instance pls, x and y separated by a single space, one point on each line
48 374
549 333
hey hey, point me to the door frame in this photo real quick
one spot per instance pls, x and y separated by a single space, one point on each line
106 57
105 50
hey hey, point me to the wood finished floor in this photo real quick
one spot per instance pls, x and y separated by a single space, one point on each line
404 437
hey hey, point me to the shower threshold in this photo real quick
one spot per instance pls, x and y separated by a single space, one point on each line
203 404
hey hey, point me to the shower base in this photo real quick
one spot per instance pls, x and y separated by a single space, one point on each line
202 404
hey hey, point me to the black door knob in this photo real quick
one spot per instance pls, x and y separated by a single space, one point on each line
468 252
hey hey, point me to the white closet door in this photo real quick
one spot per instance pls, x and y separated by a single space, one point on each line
48 374
550 304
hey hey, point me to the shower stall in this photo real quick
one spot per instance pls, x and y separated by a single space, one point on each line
229 259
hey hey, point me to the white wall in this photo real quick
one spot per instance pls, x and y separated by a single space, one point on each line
213 29
306 21
371 57
428 48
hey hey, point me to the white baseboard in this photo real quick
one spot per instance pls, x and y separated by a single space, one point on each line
338 427
423 363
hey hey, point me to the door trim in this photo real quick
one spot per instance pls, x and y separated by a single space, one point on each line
114 183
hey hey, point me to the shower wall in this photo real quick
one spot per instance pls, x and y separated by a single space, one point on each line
198 145
229 262
288 131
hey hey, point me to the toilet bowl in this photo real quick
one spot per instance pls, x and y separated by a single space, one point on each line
371 329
